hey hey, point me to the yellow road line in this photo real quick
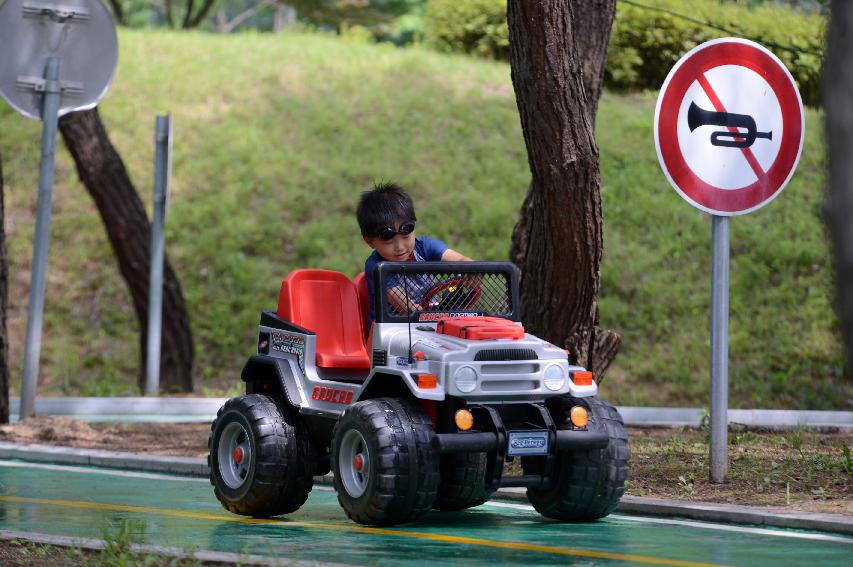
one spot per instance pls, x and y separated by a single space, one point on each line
512 545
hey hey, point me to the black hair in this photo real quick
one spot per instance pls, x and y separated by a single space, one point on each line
382 206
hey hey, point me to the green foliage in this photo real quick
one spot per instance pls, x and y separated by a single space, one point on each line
276 136
645 43
119 540
650 36
395 21
475 26
686 482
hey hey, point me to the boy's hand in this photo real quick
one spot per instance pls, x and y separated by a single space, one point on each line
454 256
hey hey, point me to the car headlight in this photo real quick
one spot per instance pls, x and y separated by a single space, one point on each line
466 379
555 377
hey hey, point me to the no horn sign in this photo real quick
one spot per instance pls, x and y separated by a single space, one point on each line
729 126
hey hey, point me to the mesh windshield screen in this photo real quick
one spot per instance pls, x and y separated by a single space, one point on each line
430 289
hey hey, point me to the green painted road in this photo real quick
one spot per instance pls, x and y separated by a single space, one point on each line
180 512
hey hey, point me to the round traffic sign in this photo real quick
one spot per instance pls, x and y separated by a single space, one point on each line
79 32
729 126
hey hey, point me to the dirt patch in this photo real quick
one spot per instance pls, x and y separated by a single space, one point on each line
171 439
23 553
794 470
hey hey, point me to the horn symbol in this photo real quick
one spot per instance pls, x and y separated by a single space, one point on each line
697 117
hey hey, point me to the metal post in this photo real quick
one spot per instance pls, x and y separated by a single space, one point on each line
719 348
50 120
162 175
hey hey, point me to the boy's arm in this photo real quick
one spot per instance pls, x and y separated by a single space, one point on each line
454 256
397 299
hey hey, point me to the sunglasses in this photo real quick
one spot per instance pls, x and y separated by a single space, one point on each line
388 233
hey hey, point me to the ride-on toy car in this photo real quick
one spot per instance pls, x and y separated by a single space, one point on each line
423 411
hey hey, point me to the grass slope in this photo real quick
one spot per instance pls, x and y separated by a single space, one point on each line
275 137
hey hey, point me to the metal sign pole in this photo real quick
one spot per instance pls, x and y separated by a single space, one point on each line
740 166
162 174
50 120
719 348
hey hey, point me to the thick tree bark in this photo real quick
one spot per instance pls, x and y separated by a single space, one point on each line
838 94
103 173
592 22
557 55
4 293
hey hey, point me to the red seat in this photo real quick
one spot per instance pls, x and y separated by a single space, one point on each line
363 301
327 303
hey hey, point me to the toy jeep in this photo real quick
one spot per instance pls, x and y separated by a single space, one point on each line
423 410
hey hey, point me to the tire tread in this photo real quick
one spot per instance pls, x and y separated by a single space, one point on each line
284 462
404 436
591 483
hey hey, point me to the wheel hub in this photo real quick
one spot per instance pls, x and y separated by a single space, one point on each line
234 455
354 463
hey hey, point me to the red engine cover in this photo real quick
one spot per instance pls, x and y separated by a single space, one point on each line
480 328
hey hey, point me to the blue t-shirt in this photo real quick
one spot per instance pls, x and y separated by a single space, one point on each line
426 250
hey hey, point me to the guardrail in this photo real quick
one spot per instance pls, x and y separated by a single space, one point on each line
204 409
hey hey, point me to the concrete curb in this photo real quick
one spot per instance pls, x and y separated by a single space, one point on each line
97 458
705 511
713 512
99 544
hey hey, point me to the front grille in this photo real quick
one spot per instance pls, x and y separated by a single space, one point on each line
500 354
380 357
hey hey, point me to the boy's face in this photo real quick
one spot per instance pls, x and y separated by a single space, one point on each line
396 249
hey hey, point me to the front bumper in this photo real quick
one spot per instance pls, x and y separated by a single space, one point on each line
505 424
475 442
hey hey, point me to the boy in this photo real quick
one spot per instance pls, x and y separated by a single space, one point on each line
386 217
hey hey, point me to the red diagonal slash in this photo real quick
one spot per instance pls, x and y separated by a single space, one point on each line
718 105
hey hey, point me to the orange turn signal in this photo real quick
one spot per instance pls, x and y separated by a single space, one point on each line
464 419
427 381
582 378
579 416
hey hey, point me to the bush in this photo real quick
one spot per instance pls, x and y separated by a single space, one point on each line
645 42
474 26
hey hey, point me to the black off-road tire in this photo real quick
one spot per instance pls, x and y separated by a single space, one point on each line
588 484
278 471
399 477
463 482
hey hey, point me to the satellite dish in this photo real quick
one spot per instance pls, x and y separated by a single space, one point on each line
79 32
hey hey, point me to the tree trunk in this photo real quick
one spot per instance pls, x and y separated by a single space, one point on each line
118 12
167 9
225 26
4 293
592 22
194 20
838 93
103 173
557 55
221 21
284 16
